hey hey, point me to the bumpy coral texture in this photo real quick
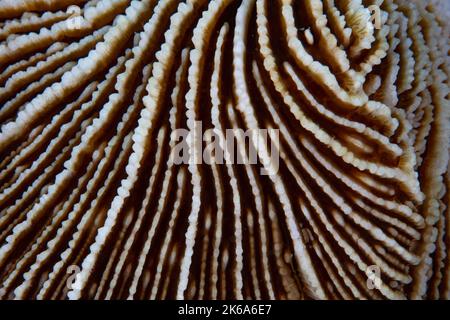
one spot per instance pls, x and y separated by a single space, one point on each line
92 207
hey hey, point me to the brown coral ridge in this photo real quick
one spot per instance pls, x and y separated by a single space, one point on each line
91 205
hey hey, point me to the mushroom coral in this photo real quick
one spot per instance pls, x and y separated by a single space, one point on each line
354 95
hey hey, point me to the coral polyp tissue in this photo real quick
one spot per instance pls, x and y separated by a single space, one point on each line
93 93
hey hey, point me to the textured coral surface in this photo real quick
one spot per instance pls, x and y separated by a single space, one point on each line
92 93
